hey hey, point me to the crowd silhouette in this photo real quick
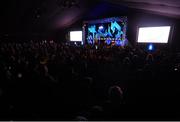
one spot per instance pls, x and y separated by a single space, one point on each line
53 80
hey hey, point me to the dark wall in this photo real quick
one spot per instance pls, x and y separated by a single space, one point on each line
176 37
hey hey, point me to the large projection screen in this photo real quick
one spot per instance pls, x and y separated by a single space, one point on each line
75 36
153 34
106 31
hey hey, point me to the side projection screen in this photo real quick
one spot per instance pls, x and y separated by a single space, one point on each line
153 34
75 35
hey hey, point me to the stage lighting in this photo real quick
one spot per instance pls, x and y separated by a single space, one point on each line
108 42
150 47
90 41
101 27
118 42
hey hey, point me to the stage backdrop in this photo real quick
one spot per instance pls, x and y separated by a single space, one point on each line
106 31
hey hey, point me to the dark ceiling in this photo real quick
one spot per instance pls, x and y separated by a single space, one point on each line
169 8
40 15
44 15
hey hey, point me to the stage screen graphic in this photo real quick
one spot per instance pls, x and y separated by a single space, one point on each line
75 36
106 31
154 34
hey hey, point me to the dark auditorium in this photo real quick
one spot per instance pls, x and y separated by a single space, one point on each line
90 60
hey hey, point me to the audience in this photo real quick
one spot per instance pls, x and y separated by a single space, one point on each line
62 80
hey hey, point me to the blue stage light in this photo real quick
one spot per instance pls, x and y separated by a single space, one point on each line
90 42
101 27
108 42
150 47
118 43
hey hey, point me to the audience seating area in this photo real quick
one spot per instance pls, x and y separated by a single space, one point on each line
56 81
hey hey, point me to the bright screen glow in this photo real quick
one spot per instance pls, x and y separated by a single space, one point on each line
154 34
76 36
106 31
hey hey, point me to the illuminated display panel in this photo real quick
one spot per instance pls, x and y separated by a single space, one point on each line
75 35
154 34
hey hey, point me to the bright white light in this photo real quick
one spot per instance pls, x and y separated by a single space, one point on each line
76 36
101 27
150 47
154 34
